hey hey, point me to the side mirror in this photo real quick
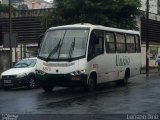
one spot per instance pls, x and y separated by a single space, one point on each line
40 39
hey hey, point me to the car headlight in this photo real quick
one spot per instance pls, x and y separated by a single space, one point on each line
78 72
21 75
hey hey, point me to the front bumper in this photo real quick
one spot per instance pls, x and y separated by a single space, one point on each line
65 80
14 82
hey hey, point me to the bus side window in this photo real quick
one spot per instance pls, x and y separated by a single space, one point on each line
120 42
110 43
96 44
137 39
130 43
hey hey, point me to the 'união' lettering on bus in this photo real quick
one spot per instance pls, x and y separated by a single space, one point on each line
122 60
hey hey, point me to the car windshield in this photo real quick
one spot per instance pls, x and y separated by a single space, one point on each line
25 63
64 44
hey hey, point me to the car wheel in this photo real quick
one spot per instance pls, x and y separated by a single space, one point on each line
31 83
48 89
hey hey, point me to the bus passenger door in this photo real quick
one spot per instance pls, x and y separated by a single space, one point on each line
110 67
96 54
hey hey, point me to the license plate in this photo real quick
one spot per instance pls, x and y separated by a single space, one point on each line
7 81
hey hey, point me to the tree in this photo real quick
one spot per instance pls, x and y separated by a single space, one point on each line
4 8
112 13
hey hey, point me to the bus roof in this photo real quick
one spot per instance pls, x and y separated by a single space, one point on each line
100 27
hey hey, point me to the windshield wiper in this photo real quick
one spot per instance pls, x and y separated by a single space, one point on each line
71 49
54 49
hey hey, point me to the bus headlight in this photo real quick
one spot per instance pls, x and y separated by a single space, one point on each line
78 72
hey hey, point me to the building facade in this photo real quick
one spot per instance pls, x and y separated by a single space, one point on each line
4 1
28 4
154 28
38 4
153 6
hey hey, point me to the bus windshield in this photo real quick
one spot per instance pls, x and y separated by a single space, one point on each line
63 44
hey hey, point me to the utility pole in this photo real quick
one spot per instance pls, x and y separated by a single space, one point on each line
147 39
10 32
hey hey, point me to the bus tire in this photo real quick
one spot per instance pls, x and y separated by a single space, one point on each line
124 81
48 89
91 84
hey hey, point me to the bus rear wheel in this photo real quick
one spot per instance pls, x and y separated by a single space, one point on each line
48 89
124 81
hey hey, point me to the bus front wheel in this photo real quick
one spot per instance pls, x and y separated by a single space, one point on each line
48 89
91 84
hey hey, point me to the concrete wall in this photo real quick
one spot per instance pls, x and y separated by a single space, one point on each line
153 6
5 2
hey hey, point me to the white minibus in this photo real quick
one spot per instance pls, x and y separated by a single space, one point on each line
87 55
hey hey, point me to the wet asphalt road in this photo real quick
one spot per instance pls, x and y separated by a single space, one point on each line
141 96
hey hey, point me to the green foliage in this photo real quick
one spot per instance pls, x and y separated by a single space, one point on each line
113 13
4 8
46 20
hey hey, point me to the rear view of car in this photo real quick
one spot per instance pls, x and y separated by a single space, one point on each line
22 74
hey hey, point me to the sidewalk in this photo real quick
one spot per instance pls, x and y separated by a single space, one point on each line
151 70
